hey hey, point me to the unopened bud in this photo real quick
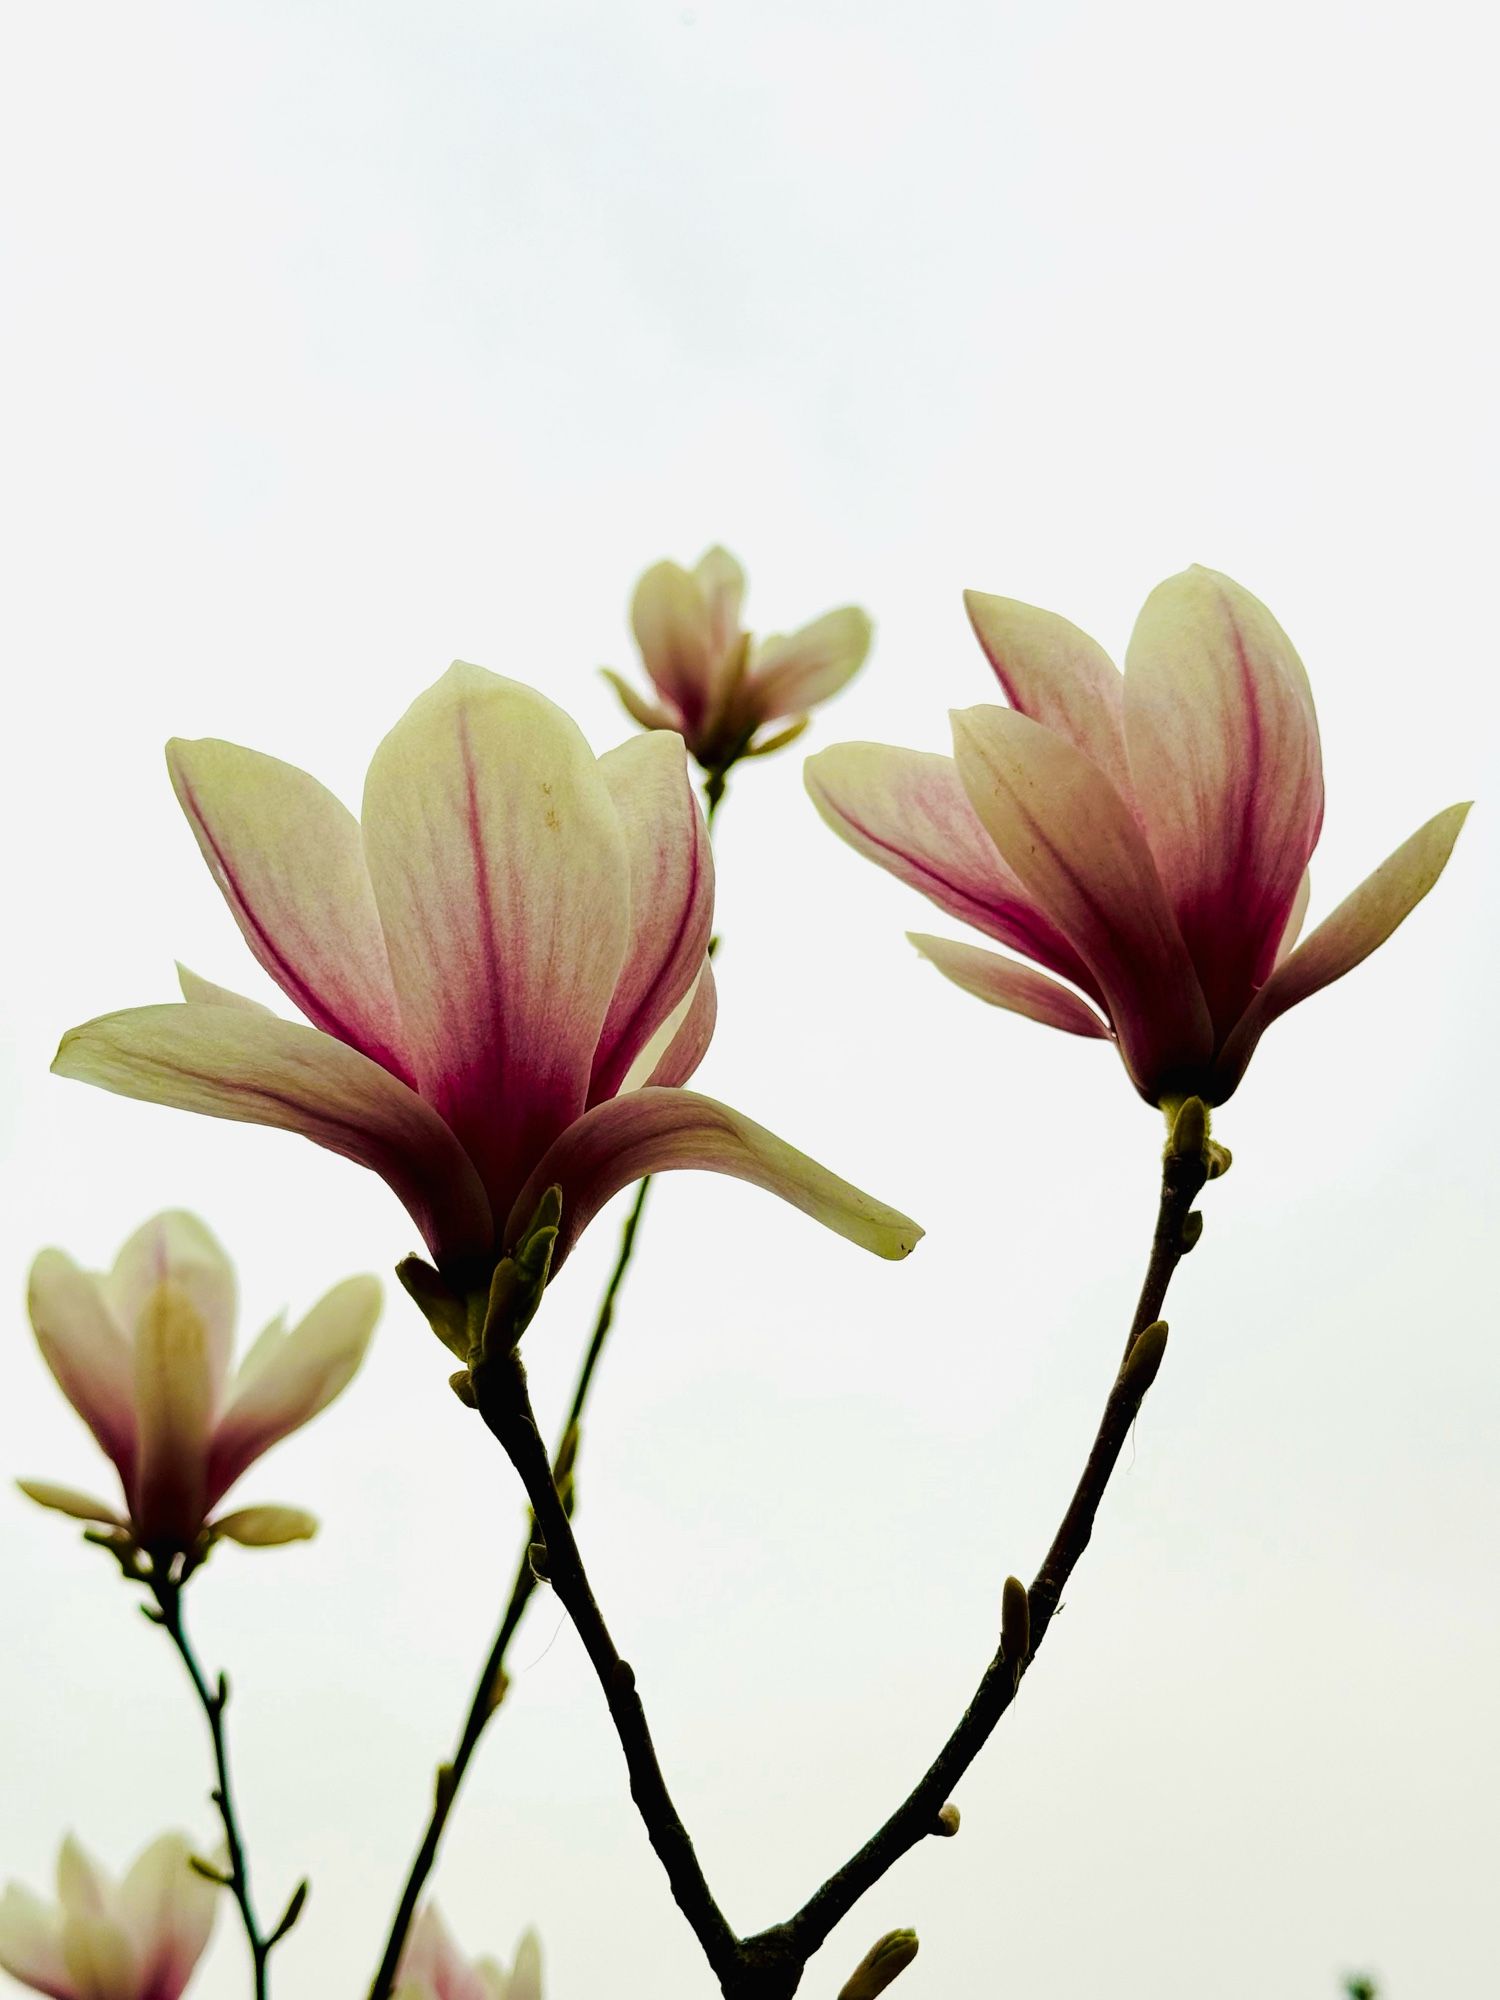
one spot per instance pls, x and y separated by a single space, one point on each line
442 1308
497 1690
1015 1621
1144 1358
886 1960
462 1385
1192 1229
946 1823
520 1279
1220 1160
1189 1130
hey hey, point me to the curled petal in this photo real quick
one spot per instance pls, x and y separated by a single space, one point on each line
1228 774
208 994
288 858
265 1071
87 1353
671 898
803 668
1361 923
294 1379
652 1130
168 1908
265 1527
674 629
680 1044
68 1500
1075 845
177 1247
1004 983
908 811
1057 675
31 1943
649 714
174 1404
501 874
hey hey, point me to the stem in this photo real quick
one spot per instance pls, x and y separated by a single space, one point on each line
213 1702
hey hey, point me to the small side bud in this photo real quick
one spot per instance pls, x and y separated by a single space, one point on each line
1188 1130
1192 1229
1015 1622
886 1960
946 1823
536 1555
443 1787
291 1913
1145 1357
442 1308
497 1690
520 1279
209 1872
1220 1160
462 1385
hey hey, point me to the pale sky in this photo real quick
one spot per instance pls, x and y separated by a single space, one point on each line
347 338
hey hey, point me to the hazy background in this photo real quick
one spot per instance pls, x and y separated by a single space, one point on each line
347 338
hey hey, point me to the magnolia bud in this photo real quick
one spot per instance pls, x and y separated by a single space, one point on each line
1189 1130
1192 1229
442 1308
886 1959
1015 1622
946 1823
1145 1357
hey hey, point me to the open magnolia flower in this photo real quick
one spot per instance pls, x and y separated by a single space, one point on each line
433 1968
717 687
1145 837
143 1353
505 967
139 1939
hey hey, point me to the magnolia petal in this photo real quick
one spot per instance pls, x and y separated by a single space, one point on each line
1297 918
288 857
177 1247
1228 774
798 671
763 746
674 628
174 1401
31 1942
208 994
1361 923
265 1071
526 1974
68 1500
907 810
675 1051
265 1527
312 1365
87 1353
722 581
1074 843
501 872
1004 983
83 1887
671 898
647 713
100 1962
1057 675
652 1130
432 1966
168 1909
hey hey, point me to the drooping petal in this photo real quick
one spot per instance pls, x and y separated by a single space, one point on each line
680 1044
31 1942
671 898
794 672
207 994
647 713
1075 845
87 1353
1228 774
101 1965
265 1527
174 1412
265 1071
68 1500
168 1910
501 874
907 810
674 629
652 1130
311 1365
1361 923
176 1246
1004 983
1057 675
289 860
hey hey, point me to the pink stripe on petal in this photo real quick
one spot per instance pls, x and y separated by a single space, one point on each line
1004 983
87 1353
1228 774
174 1412
652 1131
262 1071
289 861
168 1910
1057 675
674 628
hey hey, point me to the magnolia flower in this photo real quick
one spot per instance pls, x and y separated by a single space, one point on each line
505 969
718 688
1143 837
142 1353
133 1940
433 1968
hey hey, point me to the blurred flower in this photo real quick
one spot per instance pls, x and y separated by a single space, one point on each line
142 1353
718 688
433 1968
1144 837
505 968
135 1940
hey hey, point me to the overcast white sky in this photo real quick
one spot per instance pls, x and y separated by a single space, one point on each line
347 338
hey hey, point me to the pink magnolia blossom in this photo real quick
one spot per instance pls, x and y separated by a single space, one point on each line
504 967
143 1353
139 1939
1143 837
433 1968
716 686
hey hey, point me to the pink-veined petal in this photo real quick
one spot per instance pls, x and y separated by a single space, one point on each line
649 714
31 1942
265 1527
177 1247
288 858
671 898
1057 675
501 874
265 1071
680 1044
1228 774
208 994
68 1500
652 1130
674 629
291 1383
1004 983
168 1910
1074 843
88 1354
795 672
907 810
1360 924
174 1414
